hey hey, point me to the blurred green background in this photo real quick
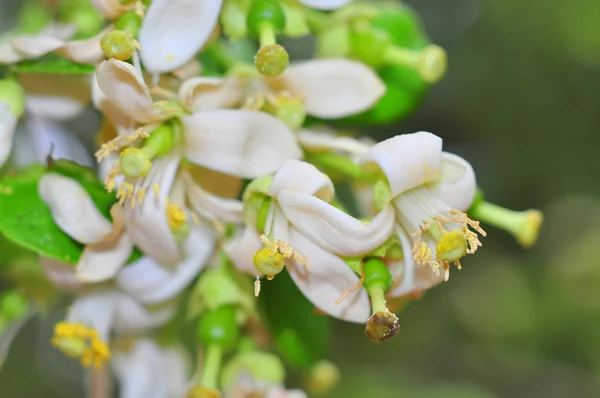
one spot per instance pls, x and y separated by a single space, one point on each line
520 101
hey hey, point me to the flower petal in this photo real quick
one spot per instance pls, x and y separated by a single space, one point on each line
325 4
124 87
61 274
73 209
325 140
149 282
122 122
332 229
8 125
243 143
326 280
96 310
332 88
102 261
413 277
407 160
241 248
457 185
132 317
110 9
34 46
302 177
147 222
212 207
211 93
173 31
8 54
87 51
140 371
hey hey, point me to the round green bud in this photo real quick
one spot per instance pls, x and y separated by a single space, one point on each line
268 263
129 22
272 60
219 327
377 274
382 326
13 305
118 44
452 246
134 163
369 45
432 63
265 13
13 95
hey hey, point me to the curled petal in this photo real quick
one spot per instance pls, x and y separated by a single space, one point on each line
85 51
212 207
8 124
325 4
120 120
140 371
410 277
147 222
332 88
407 160
125 88
150 282
457 185
326 280
132 317
173 31
73 209
243 143
327 141
96 310
102 261
332 229
8 54
34 46
302 177
110 9
210 93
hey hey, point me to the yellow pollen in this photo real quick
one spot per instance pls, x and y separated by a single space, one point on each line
176 216
78 341
283 248
125 191
120 142
156 189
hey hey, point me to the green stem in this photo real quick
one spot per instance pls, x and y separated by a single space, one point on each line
267 34
402 56
212 366
377 294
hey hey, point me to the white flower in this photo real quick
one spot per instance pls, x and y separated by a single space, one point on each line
173 31
325 4
428 191
305 229
146 370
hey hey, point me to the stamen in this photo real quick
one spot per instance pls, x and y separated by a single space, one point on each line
78 341
175 216
120 142
352 289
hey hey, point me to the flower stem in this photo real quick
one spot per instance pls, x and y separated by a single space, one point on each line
212 366
99 385
267 34
402 56
377 294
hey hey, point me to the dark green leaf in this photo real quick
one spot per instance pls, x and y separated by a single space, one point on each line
52 64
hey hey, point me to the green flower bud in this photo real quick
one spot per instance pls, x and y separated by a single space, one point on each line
376 274
129 22
134 163
13 95
272 60
370 45
219 327
118 44
265 13
382 326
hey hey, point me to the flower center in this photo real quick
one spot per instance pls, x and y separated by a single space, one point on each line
78 341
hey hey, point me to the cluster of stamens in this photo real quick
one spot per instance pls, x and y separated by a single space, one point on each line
78 341
451 246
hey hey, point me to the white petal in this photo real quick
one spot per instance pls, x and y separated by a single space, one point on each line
326 280
303 177
325 4
413 277
408 160
8 124
241 249
124 87
73 209
132 317
57 108
326 140
61 274
96 310
457 185
8 54
102 261
331 228
120 120
85 51
140 371
34 46
243 143
210 93
212 207
109 9
333 88
173 31
147 223
176 367
150 282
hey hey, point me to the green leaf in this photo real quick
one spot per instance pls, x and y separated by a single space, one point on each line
301 335
26 220
52 64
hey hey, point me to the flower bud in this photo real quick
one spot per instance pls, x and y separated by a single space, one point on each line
134 163
382 326
118 44
370 45
272 60
219 327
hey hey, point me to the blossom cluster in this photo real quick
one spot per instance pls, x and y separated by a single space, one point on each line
214 183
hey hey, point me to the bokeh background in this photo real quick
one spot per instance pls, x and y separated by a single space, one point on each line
520 101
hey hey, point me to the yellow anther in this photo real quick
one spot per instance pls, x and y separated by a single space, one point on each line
120 142
283 248
78 341
141 194
125 191
175 216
